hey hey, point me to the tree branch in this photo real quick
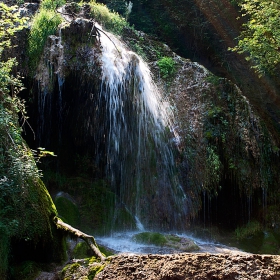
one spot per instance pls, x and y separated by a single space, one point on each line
89 239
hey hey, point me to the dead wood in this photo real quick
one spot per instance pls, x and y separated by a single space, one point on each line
89 239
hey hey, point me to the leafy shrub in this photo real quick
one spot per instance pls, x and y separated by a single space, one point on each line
51 4
45 23
26 208
111 20
166 66
259 39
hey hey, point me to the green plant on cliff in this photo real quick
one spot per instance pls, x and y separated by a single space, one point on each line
26 209
110 20
260 39
166 67
51 4
44 24
10 23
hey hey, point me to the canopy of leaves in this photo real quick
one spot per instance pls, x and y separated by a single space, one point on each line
260 40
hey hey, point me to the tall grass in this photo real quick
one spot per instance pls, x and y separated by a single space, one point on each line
51 4
44 23
110 20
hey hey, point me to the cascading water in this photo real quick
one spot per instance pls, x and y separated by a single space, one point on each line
140 161
106 106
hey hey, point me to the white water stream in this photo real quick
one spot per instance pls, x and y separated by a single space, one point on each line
122 242
139 159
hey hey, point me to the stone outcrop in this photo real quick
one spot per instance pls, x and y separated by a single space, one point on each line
184 266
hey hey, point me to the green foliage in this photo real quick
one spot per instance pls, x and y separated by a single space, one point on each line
45 23
260 40
110 20
136 47
213 166
26 208
154 238
51 4
250 229
10 24
18 170
166 66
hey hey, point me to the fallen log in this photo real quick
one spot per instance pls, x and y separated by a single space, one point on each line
89 239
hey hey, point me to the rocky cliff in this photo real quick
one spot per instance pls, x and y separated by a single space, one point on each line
226 156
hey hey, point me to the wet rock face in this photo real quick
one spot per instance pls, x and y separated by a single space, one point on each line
220 135
28 9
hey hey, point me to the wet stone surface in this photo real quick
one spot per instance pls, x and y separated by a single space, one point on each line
192 266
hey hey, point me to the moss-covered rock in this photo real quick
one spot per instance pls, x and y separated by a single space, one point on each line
85 269
153 238
270 244
97 209
81 251
67 209
168 240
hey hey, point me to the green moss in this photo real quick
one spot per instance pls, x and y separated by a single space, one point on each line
154 238
81 251
270 244
173 238
70 269
105 251
99 209
94 270
85 269
252 228
67 210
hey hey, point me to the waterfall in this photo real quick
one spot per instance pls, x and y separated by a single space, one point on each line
99 100
138 135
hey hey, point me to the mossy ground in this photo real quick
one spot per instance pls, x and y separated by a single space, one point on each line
85 269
